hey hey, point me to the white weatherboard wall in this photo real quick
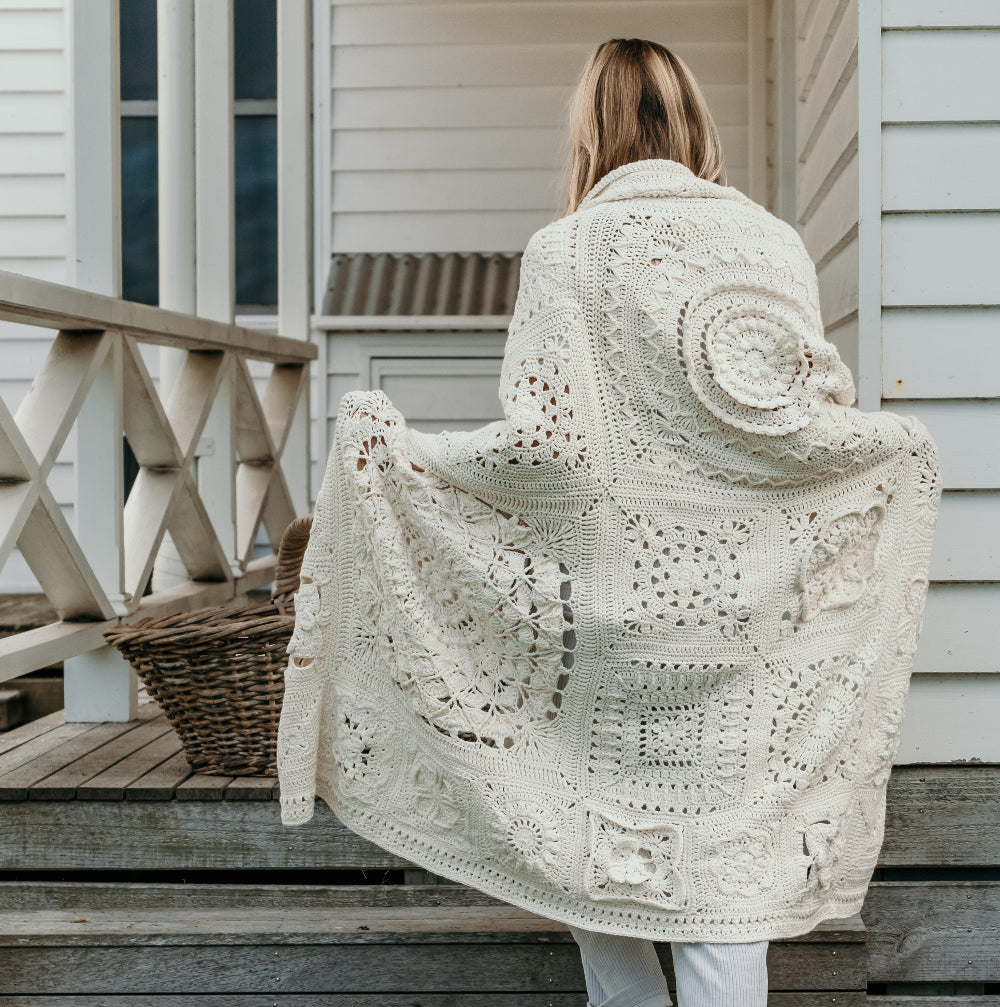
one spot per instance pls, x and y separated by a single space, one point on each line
448 118
826 159
34 203
940 352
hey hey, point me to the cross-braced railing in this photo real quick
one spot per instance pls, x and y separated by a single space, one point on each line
95 377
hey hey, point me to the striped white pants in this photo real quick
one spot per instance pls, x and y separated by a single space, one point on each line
625 972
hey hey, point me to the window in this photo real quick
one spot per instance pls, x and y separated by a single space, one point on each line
255 154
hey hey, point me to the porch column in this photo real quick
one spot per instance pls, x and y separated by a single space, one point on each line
295 265
98 685
215 253
175 82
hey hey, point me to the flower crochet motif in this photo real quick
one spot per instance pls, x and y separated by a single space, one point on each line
839 563
757 360
742 864
635 655
635 863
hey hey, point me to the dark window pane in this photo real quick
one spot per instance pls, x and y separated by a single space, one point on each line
140 260
137 40
255 49
256 156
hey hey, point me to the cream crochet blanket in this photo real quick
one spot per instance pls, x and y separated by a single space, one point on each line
635 656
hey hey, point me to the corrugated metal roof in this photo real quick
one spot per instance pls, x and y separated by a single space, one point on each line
430 283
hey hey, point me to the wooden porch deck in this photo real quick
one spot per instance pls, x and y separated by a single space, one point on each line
117 798
139 760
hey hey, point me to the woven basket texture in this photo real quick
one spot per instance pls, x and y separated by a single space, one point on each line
218 673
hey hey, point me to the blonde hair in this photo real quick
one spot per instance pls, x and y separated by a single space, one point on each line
637 100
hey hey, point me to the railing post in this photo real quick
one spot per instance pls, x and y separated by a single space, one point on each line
175 114
295 266
100 685
215 251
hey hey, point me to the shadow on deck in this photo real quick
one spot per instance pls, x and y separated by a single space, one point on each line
114 799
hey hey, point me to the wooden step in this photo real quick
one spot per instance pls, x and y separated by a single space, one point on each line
359 945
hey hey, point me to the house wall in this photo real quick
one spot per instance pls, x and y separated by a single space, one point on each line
887 171
34 203
447 119
826 159
940 356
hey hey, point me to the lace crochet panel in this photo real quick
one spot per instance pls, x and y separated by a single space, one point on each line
476 626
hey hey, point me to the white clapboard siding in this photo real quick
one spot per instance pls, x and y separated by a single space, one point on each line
32 112
34 69
33 204
949 718
406 150
940 258
941 353
939 13
941 75
448 121
967 540
826 128
961 631
34 154
940 166
52 267
34 236
835 214
532 61
429 23
838 292
487 150
940 358
514 105
33 196
420 191
462 231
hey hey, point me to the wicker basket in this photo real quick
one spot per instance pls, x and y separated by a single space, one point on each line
218 673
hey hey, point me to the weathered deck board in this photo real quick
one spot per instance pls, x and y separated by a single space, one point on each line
41 747
75 779
503 966
520 999
356 949
177 835
111 783
199 787
359 924
933 930
162 781
942 815
104 896
252 788
34 729
51 775
107 895
966 1000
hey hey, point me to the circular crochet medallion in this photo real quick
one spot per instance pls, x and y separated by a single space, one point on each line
747 357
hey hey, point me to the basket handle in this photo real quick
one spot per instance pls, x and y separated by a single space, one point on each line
291 549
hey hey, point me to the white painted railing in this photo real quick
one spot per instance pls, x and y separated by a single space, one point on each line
211 502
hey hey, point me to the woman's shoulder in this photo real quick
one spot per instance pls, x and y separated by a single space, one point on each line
550 252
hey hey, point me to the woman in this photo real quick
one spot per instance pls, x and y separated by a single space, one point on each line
635 656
